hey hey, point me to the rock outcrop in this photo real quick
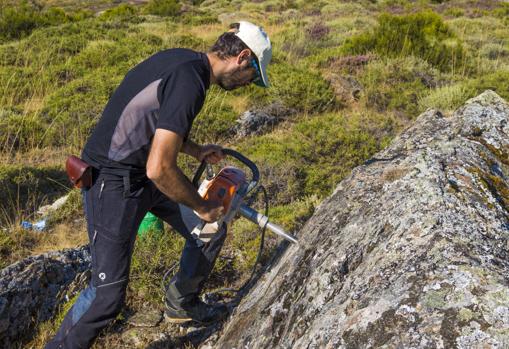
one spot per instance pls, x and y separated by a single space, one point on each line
410 251
31 290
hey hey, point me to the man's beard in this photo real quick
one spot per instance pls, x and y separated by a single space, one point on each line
231 81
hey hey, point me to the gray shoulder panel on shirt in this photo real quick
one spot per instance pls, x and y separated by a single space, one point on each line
136 124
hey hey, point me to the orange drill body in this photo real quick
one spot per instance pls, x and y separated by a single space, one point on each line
223 187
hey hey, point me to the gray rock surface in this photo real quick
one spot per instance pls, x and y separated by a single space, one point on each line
259 121
410 251
146 318
31 289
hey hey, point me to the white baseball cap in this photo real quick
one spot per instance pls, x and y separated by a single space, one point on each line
258 42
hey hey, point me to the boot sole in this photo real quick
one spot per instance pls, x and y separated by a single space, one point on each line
177 320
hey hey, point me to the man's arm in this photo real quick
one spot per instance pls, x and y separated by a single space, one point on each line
211 153
162 169
191 148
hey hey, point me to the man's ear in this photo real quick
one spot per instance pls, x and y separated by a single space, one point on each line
244 55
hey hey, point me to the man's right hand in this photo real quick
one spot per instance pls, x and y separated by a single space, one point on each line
211 211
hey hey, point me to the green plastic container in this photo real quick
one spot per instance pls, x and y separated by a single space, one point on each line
150 223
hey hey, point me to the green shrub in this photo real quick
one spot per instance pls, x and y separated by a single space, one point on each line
72 208
123 12
53 16
454 12
25 188
216 118
446 98
154 254
502 11
299 88
449 98
17 82
199 19
72 111
322 148
494 51
120 55
54 45
294 42
296 88
497 81
165 8
397 85
188 41
19 21
422 34
20 131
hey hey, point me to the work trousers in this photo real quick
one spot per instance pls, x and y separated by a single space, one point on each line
114 208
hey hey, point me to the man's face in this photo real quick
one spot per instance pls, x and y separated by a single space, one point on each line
240 73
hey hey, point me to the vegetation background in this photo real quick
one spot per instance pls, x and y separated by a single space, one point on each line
347 76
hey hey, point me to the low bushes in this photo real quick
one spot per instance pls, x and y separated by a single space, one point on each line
19 130
19 21
448 98
422 34
397 85
216 118
123 12
70 113
496 81
154 254
25 188
323 148
167 8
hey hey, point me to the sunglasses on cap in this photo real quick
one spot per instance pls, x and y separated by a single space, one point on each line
258 79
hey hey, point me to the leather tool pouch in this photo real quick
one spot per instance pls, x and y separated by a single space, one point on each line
79 172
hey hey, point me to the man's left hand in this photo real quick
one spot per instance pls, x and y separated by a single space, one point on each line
211 153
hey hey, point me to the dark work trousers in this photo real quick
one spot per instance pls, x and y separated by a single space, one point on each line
114 208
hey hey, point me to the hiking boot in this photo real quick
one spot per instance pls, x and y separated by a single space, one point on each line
197 310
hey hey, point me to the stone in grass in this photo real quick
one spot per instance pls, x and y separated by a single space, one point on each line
146 318
259 121
139 337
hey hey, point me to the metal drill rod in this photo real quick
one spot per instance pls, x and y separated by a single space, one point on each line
263 221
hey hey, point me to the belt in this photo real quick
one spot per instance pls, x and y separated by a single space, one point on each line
126 174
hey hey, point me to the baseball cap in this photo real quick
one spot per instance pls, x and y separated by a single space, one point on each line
258 42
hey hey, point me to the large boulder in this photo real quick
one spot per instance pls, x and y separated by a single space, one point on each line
32 289
410 251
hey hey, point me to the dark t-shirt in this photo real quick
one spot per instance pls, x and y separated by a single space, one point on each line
165 91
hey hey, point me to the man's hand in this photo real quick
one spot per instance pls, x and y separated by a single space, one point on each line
211 153
211 212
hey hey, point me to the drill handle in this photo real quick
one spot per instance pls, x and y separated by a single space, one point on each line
254 170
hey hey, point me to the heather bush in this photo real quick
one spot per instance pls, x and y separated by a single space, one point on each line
422 34
20 20
17 22
166 8
497 81
300 88
123 12
397 85
446 98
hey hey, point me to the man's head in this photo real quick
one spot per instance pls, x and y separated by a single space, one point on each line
243 54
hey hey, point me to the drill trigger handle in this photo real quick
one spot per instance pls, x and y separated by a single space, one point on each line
254 169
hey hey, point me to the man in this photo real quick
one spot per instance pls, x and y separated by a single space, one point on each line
133 150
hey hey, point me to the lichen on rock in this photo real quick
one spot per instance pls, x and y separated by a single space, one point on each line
410 251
